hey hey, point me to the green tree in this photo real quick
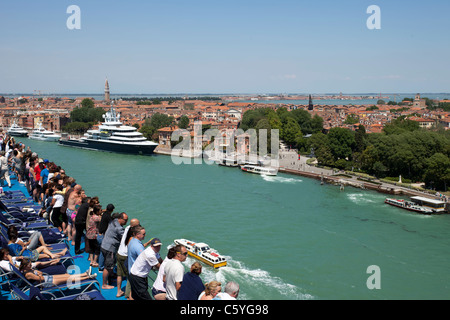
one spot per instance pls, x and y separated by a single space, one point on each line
183 123
87 112
341 142
291 132
352 119
437 172
159 120
401 125
87 103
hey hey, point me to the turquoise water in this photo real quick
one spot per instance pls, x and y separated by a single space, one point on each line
286 237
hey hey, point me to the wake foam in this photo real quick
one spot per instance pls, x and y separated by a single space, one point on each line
280 179
255 284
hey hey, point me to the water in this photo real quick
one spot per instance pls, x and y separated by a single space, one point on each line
286 237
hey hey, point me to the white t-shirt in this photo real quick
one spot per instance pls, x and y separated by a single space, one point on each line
59 200
174 271
223 296
123 249
144 262
159 283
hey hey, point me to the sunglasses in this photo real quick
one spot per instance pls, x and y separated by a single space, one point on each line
183 253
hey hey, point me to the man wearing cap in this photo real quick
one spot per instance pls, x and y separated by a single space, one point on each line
148 259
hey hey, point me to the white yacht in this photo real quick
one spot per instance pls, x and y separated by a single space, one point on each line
267 171
112 136
40 133
17 131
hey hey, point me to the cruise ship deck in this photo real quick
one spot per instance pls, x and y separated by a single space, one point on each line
80 260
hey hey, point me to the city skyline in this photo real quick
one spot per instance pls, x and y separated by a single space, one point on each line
233 47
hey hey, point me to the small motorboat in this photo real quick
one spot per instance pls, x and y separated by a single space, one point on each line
203 252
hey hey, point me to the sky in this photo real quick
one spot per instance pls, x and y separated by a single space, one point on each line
246 46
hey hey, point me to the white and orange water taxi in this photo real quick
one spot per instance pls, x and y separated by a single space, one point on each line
203 252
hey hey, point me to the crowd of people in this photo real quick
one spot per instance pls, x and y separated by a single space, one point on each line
115 248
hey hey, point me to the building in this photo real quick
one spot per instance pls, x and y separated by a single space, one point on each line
310 104
107 96
419 103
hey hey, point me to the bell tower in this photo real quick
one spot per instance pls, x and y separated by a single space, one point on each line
310 105
107 97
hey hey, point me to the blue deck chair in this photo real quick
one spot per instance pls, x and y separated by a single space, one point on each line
7 277
66 259
18 294
23 225
20 206
62 290
54 247
24 215
51 235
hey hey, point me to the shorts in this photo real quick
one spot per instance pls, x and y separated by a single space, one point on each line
110 259
69 214
122 270
48 281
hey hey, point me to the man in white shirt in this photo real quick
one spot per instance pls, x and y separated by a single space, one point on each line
231 292
174 272
148 259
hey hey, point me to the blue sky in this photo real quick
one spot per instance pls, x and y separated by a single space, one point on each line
244 46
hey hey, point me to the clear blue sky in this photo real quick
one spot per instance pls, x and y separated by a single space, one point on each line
246 46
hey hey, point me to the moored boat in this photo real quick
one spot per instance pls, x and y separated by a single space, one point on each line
17 131
268 171
408 205
40 133
203 252
112 136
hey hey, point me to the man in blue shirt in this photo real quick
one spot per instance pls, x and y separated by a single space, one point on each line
135 246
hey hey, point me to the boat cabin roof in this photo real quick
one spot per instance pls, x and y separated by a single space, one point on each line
427 200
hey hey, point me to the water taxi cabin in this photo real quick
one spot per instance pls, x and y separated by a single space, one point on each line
435 205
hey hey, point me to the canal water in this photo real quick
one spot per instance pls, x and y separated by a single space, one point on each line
286 237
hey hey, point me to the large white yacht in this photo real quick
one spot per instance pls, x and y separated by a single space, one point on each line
17 131
40 133
112 136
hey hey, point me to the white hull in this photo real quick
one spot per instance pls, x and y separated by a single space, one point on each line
48 138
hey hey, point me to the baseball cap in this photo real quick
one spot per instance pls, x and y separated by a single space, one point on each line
155 242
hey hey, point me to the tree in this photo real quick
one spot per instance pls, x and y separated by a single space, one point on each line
87 103
342 142
401 125
438 171
316 124
361 138
183 123
291 132
87 112
352 119
159 120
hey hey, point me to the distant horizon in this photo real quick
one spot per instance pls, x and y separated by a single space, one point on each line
223 94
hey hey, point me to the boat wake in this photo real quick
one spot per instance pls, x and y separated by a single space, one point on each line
280 179
255 284
362 198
